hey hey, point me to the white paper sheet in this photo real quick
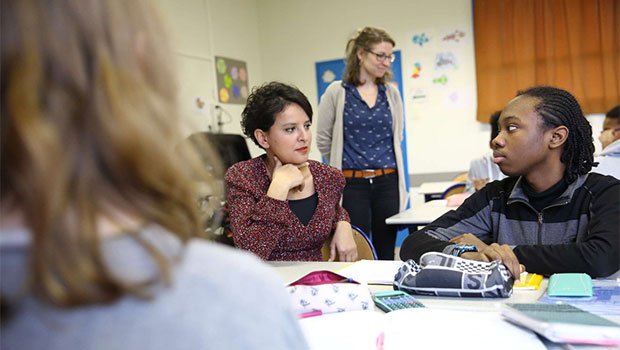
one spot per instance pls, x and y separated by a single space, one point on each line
372 271
416 329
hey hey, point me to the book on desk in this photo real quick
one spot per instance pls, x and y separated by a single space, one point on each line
564 323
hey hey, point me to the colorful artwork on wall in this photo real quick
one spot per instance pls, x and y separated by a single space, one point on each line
420 39
232 80
417 67
455 36
418 95
443 80
446 61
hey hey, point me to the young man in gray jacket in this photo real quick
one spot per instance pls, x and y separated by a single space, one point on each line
550 214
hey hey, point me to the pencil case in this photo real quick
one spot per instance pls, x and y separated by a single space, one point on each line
452 276
326 292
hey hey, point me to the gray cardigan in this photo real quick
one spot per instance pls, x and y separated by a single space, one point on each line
329 138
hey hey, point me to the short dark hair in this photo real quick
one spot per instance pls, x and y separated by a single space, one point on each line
558 107
265 102
494 122
613 113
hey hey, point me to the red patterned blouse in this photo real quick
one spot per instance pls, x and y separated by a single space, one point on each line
267 226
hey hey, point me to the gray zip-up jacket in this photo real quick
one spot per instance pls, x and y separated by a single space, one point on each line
578 232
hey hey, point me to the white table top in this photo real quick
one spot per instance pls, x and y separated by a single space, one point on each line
291 271
420 214
435 187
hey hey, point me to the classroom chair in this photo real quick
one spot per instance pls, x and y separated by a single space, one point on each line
454 189
460 178
365 249
231 148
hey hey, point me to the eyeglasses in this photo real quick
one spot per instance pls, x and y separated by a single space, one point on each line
382 57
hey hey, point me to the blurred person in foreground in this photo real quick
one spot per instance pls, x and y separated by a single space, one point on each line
98 209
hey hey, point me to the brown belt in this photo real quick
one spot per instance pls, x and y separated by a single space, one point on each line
367 174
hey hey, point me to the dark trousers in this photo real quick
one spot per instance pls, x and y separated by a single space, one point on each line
369 202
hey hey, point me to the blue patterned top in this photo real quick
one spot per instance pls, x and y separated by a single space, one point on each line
367 132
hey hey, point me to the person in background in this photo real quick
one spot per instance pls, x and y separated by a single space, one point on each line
609 159
550 214
360 130
282 205
483 170
99 209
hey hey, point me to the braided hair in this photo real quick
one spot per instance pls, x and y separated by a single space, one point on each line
558 107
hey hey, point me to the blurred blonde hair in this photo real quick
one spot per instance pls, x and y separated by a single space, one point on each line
364 39
89 127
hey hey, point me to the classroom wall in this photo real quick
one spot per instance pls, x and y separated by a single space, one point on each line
190 37
200 30
296 34
282 40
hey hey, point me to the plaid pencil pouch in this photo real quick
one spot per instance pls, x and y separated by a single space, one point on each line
451 276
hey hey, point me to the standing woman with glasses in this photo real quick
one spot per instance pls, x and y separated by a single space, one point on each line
360 129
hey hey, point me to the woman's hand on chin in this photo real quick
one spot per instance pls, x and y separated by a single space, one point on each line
284 178
343 243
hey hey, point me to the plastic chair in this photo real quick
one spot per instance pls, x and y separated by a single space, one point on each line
454 189
460 178
365 249
232 149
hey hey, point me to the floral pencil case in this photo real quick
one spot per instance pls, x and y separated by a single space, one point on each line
321 292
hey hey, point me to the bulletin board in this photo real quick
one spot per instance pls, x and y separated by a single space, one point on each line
232 80
437 71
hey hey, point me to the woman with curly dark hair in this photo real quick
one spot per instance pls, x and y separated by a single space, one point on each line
284 206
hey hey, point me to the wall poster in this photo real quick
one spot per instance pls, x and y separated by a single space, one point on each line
232 80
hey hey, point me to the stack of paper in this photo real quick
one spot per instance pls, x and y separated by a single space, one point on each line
372 271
